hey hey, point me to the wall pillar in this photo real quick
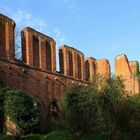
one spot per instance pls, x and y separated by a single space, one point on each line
7 43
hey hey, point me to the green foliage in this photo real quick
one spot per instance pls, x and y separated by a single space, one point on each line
33 137
6 137
103 106
96 136
2 98
58 135
121 112
80 110
23 110
134 118
137 73
100 111
114 105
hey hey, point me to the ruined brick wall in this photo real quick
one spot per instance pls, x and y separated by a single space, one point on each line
127 70
71 62
7 27
103 67
36 74
90 68
38 50
39 53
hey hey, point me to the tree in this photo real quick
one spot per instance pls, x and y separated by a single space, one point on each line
134 122
116 107
80 110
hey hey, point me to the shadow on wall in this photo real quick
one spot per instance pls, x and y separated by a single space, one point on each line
39 51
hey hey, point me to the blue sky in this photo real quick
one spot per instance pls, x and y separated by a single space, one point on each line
99 28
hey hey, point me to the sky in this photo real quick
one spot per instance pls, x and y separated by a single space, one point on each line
99 28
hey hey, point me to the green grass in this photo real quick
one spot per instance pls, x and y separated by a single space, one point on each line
33 137
102 136
6 137
59 135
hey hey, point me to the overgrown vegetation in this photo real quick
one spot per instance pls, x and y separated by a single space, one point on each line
102 107
99 111
80 103
23 110
137 73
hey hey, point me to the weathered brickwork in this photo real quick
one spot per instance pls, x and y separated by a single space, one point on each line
103 67
7 27
127 70
38 49
36 74
90 68
71 62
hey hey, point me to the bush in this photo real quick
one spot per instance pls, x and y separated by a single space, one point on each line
23 110
134 118
121 112
79 104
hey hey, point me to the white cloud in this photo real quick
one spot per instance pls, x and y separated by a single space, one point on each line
59 36
24 18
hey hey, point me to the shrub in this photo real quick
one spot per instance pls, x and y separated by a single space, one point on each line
23 110
80 111
134 118
118 109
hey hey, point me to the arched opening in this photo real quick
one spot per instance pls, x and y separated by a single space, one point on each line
70 63
48 56
35 51
55 109
2 40
61 61
87 72
79 66
94 68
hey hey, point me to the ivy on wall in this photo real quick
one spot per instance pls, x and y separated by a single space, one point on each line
23 110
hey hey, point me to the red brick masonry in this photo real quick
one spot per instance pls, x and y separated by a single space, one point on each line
36 74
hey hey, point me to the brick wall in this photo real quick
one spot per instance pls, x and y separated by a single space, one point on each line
127 70
36 74
39 53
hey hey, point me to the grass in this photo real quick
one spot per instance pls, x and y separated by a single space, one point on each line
33 137
6 137
56 135
59 135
